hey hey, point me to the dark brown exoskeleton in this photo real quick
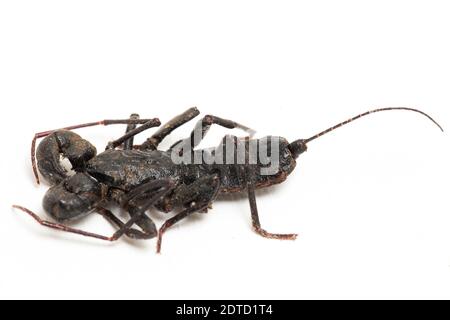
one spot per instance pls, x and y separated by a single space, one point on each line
138 177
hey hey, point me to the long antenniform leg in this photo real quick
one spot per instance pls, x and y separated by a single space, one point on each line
84 125
62 227
156 190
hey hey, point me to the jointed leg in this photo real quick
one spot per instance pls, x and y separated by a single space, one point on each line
156 190
248 172
145 223
131 233
200 195
255 218
130 134
84 125
128 144
153 142
141 197
180 216
202 127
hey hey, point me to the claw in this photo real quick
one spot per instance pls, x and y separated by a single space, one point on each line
68 144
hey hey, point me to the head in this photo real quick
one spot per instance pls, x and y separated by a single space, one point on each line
297 147
73 198
276 156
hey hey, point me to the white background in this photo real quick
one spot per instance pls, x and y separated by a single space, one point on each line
370 202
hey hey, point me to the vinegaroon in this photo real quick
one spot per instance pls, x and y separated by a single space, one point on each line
138 177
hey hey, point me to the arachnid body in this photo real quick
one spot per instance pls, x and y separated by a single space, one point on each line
139 177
